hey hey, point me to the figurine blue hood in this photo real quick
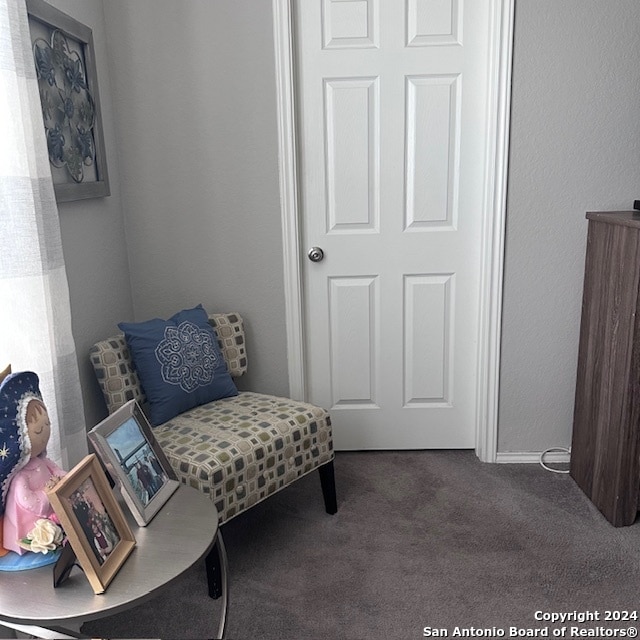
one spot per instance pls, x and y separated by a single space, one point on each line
16 391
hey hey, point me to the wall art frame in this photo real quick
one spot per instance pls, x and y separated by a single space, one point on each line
93 522
65 64
125 444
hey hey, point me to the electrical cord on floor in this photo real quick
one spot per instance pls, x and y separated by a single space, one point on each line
554 450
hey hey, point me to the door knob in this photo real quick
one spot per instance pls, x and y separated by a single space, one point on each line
315 254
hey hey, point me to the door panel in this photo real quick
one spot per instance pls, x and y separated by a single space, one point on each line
433 22
353 318
432 145
428 340
351 134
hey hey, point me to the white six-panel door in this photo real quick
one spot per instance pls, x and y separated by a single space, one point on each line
391 99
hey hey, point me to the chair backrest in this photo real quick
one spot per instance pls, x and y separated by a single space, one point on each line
117 376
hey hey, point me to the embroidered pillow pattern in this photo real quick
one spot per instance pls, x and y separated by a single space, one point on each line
187 356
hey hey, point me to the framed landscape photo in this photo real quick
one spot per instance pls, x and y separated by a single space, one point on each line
93 522
136 463
65 64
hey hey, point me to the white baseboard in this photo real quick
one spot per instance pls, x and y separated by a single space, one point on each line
526 457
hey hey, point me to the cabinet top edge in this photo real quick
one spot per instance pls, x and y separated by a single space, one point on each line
624 218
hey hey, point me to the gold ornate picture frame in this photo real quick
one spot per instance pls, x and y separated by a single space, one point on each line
93 522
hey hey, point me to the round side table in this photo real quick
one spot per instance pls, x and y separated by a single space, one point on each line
183 532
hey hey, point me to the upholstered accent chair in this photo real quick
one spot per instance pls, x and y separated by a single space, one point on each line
238 450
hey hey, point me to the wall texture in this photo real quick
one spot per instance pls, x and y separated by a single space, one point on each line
195 100
93 236
575 147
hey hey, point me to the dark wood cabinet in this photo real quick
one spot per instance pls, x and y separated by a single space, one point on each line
606 425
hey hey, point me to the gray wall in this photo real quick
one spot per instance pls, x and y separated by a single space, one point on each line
575 147
194 93
93 237
192 86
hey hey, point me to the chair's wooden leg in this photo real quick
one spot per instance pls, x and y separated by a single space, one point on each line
214 572
328 484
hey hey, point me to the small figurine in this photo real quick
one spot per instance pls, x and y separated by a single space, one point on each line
25 471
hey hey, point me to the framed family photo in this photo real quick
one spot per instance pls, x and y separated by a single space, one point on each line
136 463
93 522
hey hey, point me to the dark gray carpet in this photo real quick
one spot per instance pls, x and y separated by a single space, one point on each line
420 539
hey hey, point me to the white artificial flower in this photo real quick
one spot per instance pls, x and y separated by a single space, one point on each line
44 537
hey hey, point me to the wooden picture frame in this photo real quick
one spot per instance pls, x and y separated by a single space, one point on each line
93 522
125 444
64 59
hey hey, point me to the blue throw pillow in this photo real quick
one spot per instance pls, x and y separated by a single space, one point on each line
179 363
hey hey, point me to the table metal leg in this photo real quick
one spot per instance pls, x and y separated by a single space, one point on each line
213 566
224 580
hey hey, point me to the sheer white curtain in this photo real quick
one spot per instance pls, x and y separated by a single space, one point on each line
35 318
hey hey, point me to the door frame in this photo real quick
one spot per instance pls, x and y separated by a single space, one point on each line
493 214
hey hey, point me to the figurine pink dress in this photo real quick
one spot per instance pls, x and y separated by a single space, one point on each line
25 471
27 500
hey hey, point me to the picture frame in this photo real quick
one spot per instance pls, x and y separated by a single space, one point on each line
93 522
125 444
65 64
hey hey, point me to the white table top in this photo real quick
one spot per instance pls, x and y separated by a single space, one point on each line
180 535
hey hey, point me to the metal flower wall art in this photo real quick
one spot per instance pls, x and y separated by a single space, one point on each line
67 105
65 67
